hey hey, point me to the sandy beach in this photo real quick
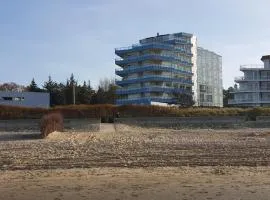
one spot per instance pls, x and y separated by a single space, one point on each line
124 183
125 162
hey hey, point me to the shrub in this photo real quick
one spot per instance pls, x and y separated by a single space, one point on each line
107 110
17 112
51 122
252 114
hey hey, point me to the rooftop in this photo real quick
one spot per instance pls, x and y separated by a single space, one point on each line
266 57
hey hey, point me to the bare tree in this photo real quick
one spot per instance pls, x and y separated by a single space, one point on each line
12 87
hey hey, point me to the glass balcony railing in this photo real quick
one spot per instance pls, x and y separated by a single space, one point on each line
251 67
242 101
254 89
248 101
152 89
145 100
137 47
242 78
153 78
162 57
131 70
151 45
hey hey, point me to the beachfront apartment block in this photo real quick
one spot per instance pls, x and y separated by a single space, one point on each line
254 87
159 68
209 78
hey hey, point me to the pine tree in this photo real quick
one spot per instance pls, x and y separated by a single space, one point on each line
33 87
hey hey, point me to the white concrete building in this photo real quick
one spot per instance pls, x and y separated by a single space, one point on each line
254 87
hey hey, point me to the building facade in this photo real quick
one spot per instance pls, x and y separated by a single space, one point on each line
254 87
157 69
209 78
25 99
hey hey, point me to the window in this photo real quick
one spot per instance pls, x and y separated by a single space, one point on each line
7 98
12 98
18 98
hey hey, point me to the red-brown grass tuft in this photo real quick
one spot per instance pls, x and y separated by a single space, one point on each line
51 122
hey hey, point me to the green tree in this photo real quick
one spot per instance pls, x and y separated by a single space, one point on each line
50 85
105 93
33 87
227 95
111 94
84 94
184 100
70 90
56 92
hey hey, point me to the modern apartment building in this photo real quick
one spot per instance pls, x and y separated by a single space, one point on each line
160 68
157 69
254 86
209 78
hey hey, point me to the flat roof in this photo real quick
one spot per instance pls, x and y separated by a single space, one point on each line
175 34
266 57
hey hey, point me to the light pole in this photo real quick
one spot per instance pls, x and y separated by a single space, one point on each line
74 94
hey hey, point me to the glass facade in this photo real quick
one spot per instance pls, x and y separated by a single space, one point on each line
209 78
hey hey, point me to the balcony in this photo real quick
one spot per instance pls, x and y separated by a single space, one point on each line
246 79
245 90
251 67
161 57
242 101
140 47
239 78
153 78
163 68
151 89
177 41
248 101
251 90
160 46
145 100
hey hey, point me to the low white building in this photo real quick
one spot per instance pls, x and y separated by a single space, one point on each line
254 86
25 99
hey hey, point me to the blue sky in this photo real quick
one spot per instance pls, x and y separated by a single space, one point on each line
39 38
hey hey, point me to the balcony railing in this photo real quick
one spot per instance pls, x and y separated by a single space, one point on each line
152 89
144 46
145 100
153 78
164 68
242 101
247 101
242 78
251 66
162 57
255 89
239 78
151 45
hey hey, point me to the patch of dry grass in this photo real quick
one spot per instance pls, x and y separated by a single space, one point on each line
51 122
109 111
